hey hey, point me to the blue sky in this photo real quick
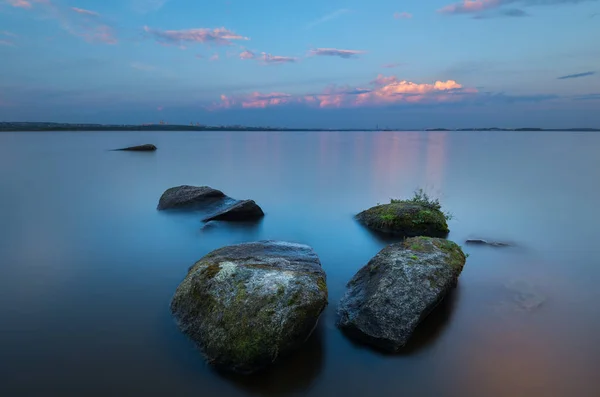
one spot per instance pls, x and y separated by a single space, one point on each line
399 64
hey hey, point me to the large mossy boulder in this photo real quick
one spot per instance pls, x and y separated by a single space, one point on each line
397 289
188 196
247 305
405 218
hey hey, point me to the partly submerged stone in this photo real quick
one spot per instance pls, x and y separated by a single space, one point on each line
487 242
406 219
397 289
244 210
246 305
141 148
188 196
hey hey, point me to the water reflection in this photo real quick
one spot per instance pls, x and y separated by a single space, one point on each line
293 374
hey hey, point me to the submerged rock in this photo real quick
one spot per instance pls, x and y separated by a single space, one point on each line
188 196
246 305
244 210
141 148
397 289
405 218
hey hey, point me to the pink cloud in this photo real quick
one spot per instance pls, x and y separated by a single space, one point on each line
218 36
7 43
382 80
335 52
215 57
20 3
9 34
247 55
85 12
199 56
160 108
268 58
388 90
470 6
402 15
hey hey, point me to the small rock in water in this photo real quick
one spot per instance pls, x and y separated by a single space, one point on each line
141 148
397 289
487 242
246 305
244 210
188 196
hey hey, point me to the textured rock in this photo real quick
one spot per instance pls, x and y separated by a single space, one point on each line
397 289
244 210
246 305
140 148
188 196
406 219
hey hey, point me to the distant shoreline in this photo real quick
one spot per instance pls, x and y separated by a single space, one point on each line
49 127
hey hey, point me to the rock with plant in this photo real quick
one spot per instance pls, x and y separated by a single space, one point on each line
417 216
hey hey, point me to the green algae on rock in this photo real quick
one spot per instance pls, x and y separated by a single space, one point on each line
387 298
418 216
246 305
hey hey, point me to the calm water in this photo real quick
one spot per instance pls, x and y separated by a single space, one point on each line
88 266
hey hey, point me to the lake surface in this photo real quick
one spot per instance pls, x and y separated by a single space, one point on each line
88 266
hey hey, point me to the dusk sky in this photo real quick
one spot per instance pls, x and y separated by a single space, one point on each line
309 63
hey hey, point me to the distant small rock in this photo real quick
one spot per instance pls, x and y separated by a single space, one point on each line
141 148
249 304
487 242
244 210
387 298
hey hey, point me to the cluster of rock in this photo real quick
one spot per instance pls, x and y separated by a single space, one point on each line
219 206
247 305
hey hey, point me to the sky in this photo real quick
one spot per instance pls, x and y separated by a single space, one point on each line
302 63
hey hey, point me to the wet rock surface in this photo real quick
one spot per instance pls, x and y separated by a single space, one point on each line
246 305
387 299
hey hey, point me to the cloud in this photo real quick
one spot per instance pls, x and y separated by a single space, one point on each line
402 15
268 58
6 33
199 56
20 3
391 65
214 57
387 91
333 52
509 13
587 97
247 55
329 17
575 76
480 6
75 21
6 43
85 12
143 67
218 36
